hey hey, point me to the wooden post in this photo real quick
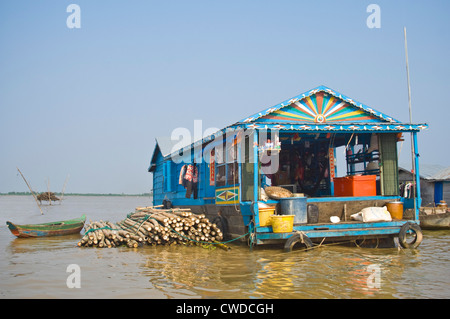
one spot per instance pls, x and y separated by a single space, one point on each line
48 192
64 188
29 187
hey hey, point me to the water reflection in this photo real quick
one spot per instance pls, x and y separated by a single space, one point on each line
210 273
30 245
322 273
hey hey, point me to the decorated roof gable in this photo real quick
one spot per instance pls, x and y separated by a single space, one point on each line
320 105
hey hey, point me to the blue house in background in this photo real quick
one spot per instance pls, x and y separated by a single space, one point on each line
291 145
442 186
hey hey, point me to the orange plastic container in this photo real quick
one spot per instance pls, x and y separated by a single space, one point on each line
395 209
356 185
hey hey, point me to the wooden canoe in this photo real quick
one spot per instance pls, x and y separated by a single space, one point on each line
58 228
435 221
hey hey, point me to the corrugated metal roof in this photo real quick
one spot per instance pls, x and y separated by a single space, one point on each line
427 171
443 174
430 171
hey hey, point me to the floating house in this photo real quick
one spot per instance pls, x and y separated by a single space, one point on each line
293 146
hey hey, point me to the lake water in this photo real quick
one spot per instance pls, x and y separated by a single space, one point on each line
38 268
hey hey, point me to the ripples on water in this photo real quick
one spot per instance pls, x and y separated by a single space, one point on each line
36 268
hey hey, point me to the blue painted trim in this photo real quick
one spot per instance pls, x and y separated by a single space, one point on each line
334 233
338 226
416 164
347 199
339 127
353 229
255 178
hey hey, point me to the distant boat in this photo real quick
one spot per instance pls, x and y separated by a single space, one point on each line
434 218
59 228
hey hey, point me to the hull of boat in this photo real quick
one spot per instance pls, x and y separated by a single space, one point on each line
59 228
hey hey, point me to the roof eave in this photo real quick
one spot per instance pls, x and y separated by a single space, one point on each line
355 127
325 89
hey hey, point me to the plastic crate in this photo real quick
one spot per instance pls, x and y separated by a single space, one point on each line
355 185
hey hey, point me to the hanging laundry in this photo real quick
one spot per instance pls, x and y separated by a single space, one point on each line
406 190
181 179
191 178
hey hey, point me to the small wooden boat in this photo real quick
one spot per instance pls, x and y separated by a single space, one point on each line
58 228
434 218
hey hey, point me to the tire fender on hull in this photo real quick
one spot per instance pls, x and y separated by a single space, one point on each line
404 230
297 238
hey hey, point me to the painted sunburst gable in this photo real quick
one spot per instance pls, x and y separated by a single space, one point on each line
320 105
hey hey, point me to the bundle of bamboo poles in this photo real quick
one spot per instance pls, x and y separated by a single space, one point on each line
153 226
47 196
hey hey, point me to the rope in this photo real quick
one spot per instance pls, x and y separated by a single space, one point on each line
301 235
208 242
144 219
94 229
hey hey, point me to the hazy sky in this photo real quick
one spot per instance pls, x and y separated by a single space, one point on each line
89 102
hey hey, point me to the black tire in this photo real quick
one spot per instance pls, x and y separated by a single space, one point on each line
295 239
222 224
403 232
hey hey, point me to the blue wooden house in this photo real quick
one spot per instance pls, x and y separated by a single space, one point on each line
292 145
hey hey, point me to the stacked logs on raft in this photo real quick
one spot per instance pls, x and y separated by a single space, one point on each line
153 226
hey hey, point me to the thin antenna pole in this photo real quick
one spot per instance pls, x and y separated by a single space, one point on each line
413 152
407 77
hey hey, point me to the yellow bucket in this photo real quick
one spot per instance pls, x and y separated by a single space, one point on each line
264 216
283 223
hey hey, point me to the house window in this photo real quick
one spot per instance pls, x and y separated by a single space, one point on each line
169 176
232 173
226 164
221 175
